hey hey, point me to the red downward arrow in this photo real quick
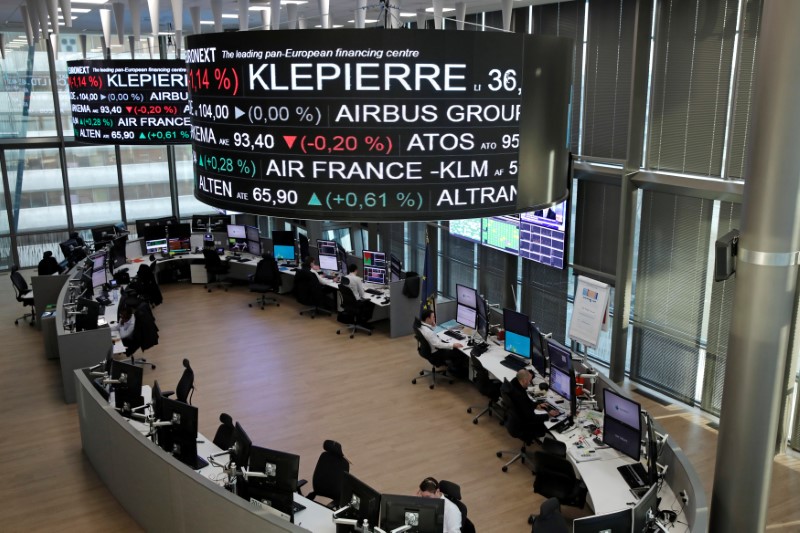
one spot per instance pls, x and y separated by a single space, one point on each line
128 108
289 140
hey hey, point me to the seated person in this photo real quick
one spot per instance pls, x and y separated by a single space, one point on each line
48 265
525 408
127 321
309 263
450 351
356 284
429 488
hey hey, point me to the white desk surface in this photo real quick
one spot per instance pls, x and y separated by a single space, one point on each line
378 300
596 466
315 517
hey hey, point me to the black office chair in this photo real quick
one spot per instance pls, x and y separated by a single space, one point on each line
355 313
308 291
555 478
145 331
452 492
549 519
487 386
425 351
267 278
23 294
328 474
185 389
146 286
215 267
223 438
515 427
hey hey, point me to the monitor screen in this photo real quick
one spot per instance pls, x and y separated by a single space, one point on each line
251 233
517 326
622 409
328 262
648 502
466 316
129 377
67 247
240 451
155 246
143 224
469 229
616 522
236 231
98 261
102 235
482 319
538 357
622 438
542 235
254 247
560 382
281 468
375 275
283 237
559 355
501 233
179 231
374 259
424 515
153 233
466 296
327 248
364 501
99 277
395 268
283 252
118 256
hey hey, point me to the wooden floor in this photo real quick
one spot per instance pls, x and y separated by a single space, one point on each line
292 383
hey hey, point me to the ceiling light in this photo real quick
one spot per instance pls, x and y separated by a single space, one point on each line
444 9
366 21
229 16
93 2
78 10
407 14
206 22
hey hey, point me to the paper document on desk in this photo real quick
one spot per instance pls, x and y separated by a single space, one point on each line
450 324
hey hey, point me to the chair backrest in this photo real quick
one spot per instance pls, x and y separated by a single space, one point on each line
423 348
20 285
554 446
212 259
267 273
513 422
185 386
487 386
452 492
329 472
307 288
550 519
349 302
223 438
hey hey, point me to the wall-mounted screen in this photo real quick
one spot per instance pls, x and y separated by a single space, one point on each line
542 235
354 125
501 233
129 101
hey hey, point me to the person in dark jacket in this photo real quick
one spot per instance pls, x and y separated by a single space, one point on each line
48 265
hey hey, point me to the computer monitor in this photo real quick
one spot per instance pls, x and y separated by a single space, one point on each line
98 261
328 262
237 237
466 316
538 350
395 268
279 500
118 256
178 239
180 438
375 275
622 438
281 468
67 247
563 384
424 515
482 318
466 296
143 223
129 377
622 409
559 355
88 313
652 451
206 223
102 235
156 397
283 246
253 240
616 522
156 246
374 259
328 255
303 245
364 501
327 248
99 277
645 509
518 331
240 451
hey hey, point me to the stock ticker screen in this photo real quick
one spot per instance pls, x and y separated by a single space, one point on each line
392 125
129 101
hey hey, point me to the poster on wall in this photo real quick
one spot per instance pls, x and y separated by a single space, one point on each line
589 311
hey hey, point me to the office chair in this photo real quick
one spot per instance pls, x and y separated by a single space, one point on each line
185 389
487 386
452 492
308 291
23 294
146 286
425 351
215 267
223 438
145 331
355 313
515 427
328 474
549 519
555 478
267 278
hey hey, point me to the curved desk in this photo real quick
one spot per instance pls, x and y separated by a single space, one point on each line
160 492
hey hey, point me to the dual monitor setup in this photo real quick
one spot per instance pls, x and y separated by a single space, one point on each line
113 237
333 258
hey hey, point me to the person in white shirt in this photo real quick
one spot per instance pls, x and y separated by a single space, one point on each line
356 285
446 353
429 488
127 321
428 319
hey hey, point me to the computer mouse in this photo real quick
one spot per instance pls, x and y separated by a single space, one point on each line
554 419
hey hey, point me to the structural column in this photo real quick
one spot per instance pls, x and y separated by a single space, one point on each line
766 284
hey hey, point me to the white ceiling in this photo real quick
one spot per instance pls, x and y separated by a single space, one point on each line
342 13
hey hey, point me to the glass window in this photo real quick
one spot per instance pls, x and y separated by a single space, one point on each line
145 179
26 99
93 186
188 205
37 189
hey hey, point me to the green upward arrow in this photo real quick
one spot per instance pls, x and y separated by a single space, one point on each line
314 200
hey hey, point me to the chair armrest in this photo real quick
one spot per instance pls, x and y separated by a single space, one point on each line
300 484
167 393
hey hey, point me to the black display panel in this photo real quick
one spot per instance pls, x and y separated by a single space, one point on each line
354 125
129 102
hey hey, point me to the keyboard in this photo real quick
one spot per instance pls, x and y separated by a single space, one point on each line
513 363
454 334
297 507
374 292
634 475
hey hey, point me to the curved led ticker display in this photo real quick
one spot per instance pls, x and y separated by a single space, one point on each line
392 125
129 102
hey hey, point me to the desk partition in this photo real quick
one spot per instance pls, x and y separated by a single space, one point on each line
158 491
